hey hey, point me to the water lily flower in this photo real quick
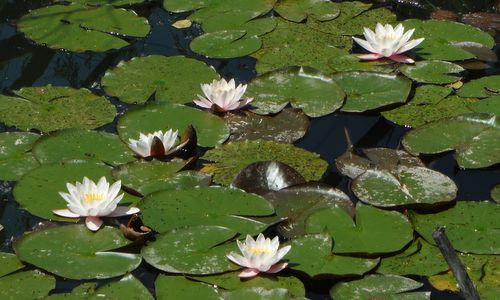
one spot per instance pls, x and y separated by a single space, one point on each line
388 42
223 96
261 255
155 144
94 201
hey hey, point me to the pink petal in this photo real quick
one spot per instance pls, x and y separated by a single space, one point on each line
65 213
202 103
371 56
246 273
277 267
93 223
402 58
123 211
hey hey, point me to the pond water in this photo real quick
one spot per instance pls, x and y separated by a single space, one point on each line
25 64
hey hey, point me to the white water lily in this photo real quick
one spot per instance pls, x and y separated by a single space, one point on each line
93 201
260 255
388 42
222 96
155 144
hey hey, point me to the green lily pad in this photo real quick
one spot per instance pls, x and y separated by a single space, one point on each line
10 263
384 89
230 158
26 285
177 6
312 254
483 87
490 105
174 79
231 281
50 108
298 11
472 227
239 21
286 127
351 62
439 46
166 210
59 250
147 177
15 158
123 289
191 250
375 230
431 104
82 144
178 287
475 137
37 191
352 164
261 293
225 44
211 8
404 186
389 287
305 88
420 258
495 193
298 202
79 28
432 71
103 2
210 129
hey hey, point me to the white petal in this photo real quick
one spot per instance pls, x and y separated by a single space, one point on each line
65 213
247 273
93 223
410 45
238 259
123 211
364 44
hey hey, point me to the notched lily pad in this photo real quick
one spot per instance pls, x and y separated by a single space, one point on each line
483 87
226 44
317 94
50 108
15 156
298 11
179 287
432 71
230 158
173 79
26 285
59 250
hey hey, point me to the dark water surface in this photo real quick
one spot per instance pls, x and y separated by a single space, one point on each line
22 63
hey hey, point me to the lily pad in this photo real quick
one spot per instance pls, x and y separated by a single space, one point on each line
495 193
50 108
191 250
404 186
210 129
490 105
123 289
37 191
310 90
226 44
15 158
174 79
483 87
312 254
475 137
431 104
432 71
227 207
472 227
178 287
286 127
298 11
375 230
230 158
439 46
239 21
384 89
211 8
82 144
420 258
10 263
79 28
262 293
59 250
148 177
298 202
26 285
389 287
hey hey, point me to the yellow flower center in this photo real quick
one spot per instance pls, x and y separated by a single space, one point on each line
91 197
259 251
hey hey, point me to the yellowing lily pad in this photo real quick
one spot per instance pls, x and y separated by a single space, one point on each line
15 158
174 79
432 71
26 285
310 90
75 252
230 158
50 108
79 27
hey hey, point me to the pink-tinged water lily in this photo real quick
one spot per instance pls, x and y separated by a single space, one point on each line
93 201
155 144
260 255
388 42
222 96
